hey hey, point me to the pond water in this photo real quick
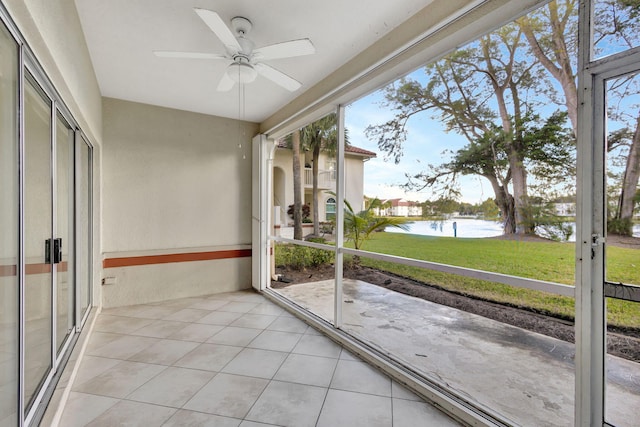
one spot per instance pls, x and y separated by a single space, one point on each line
466 227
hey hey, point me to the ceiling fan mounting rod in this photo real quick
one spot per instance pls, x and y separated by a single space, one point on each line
241 59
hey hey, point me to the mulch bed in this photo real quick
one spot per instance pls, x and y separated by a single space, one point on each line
620 342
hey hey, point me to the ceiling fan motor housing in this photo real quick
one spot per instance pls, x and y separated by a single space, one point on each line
242 72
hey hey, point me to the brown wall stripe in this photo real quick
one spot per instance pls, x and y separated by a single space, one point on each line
169 258
11 270
8 270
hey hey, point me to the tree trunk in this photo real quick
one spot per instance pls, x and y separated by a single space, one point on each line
314 172
297 187
522 216
631 174
515 208
505 204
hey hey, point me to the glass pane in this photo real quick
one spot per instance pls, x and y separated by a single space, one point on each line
306 276
65 289
473 166
38 224
476 347
84 221
315 179
615 27
623 247
8 230
301 273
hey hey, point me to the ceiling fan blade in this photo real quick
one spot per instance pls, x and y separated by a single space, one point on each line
188 55
277 77
217 25
285 49
226 83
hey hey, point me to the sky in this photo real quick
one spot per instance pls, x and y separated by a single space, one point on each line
427 140
425 144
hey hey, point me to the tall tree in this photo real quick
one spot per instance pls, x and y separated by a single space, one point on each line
626 142
629 192
297 186
481 92
552 36
318 136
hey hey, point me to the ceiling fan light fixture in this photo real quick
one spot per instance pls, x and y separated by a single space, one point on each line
241 72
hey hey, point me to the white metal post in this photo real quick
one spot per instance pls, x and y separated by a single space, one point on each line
79 245
340 193
21 241
259 215
589 400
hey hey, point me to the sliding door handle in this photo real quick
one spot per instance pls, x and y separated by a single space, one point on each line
47 251
56 250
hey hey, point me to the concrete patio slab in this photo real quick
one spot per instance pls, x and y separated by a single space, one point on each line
525 376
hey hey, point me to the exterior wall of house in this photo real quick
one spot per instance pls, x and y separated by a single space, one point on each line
178 218
282 194
283 163
400 210
354 181
415 210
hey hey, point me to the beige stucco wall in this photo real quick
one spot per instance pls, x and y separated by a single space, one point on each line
354 181
174 181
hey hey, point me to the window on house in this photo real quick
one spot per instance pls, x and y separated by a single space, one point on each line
332 170
330 208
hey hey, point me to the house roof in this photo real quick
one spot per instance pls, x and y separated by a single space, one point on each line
352 149
349 149
400 202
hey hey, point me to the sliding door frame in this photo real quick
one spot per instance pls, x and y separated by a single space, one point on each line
27 63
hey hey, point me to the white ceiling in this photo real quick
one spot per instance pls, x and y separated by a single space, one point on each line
122 34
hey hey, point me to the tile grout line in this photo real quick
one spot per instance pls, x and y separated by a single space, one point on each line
266 386
324 401
275 373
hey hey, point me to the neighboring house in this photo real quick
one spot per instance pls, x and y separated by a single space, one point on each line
354 161
399 207
565 209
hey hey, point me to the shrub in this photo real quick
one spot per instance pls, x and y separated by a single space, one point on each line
298 257
543 220
623 227
317 240
306 212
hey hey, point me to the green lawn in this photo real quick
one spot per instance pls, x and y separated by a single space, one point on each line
550 261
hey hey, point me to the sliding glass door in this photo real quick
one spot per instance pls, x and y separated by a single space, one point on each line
9 301
63 236
49 206
38 214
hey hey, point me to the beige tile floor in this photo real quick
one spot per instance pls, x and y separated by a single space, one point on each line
231 359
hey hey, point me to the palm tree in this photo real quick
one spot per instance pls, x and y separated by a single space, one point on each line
297 184
376 203
358 227
321 135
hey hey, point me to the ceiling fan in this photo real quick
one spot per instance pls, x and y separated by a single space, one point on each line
246 62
